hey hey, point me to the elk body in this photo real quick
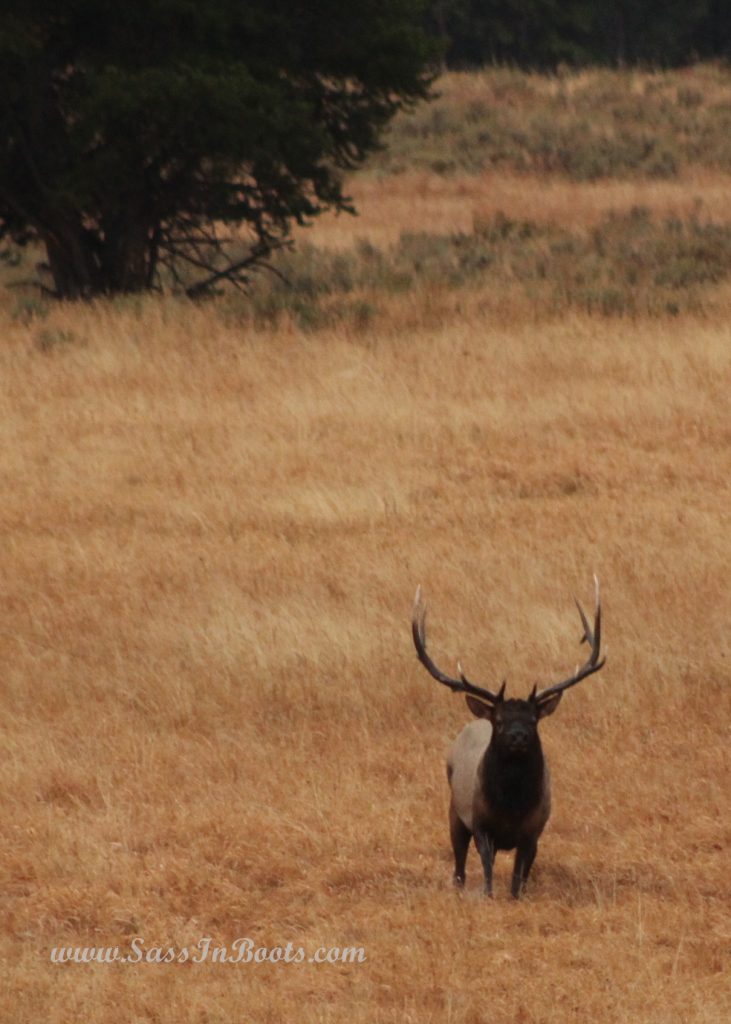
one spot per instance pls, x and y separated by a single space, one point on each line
498 776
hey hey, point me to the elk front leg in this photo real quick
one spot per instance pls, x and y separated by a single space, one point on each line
461 836
486 849
524 857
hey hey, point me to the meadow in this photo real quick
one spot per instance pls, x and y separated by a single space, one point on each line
502 377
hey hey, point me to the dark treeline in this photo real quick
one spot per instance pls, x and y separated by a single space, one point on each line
544 33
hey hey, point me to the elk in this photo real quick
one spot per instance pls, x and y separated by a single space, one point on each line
497 773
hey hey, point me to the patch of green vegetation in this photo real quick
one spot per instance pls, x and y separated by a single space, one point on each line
630 264
50 338
29 308
586 126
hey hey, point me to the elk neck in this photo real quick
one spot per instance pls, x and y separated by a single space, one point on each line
513 781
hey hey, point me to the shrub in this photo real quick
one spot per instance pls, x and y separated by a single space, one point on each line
589 125
631 263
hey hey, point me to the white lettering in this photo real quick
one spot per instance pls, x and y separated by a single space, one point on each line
136 955
353 955
204 945
109 955
244 950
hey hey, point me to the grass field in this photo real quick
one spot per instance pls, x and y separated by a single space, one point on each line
214 724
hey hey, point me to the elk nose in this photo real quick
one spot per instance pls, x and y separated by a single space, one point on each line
519 737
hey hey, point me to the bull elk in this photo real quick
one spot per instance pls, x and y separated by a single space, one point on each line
498 776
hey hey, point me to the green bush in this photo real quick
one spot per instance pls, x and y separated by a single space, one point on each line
631 263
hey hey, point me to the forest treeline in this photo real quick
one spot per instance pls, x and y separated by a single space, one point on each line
545 33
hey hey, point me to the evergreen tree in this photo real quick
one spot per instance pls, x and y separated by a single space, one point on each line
129 132
542 33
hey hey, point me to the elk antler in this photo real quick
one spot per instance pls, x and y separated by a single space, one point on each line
461 685
592 664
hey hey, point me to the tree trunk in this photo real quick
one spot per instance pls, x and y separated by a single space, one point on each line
620 35
72 261
85 262
127 256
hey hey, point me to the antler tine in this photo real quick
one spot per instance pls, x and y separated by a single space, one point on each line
461 685
591 636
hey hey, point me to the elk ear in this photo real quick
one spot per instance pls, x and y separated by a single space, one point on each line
549 705
479 708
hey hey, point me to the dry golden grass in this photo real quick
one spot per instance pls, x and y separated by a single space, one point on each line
442 205
213 720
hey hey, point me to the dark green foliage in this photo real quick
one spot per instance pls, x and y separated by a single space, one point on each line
543 33
129 132
527 33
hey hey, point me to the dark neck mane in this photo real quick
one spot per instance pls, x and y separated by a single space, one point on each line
513 783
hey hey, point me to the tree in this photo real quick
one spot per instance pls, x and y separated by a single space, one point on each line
543 33
131 132
528 33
